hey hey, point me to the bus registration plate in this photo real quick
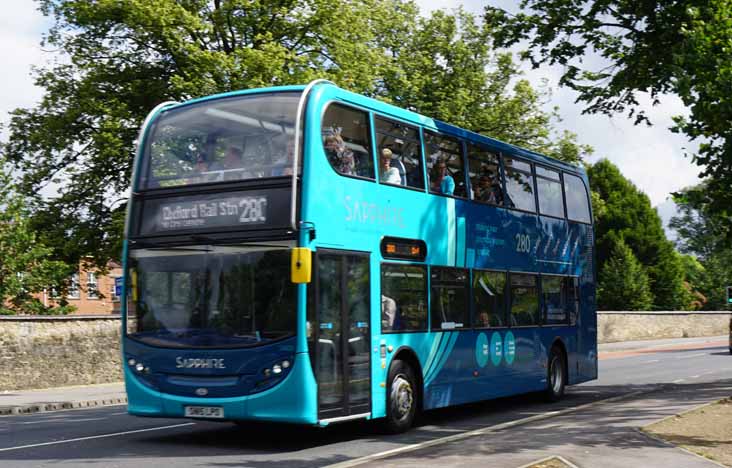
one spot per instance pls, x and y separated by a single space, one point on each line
204 412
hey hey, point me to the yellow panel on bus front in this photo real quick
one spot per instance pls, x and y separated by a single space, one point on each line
301 265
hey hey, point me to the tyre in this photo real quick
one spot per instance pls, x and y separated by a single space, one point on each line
556 375
401 398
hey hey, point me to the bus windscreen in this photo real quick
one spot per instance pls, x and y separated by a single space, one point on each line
227 139
212 296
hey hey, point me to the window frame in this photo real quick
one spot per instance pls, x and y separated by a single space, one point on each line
369 135
587 197
468 324
506 298
74 287
559 180
425 292
420 144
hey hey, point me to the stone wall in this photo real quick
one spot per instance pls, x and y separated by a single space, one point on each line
42 352
631 326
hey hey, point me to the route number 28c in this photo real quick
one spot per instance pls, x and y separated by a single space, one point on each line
523 243
253 210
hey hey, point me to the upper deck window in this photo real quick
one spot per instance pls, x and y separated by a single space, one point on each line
346 141
549 190
578 207
485 175
237 138
519 185
400 144
445 164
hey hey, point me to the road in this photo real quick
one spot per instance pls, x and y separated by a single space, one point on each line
105 437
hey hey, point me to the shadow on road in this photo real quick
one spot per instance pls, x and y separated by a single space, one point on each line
257 444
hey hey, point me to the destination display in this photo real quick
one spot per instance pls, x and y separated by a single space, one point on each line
261 209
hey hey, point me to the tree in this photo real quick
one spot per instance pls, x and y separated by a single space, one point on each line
446 68
699 232
126 56
622 282
646 46
702 236
26 267
627 215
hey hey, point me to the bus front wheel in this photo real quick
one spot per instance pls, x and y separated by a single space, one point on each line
401 398
556 375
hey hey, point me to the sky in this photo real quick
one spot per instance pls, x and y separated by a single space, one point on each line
651 157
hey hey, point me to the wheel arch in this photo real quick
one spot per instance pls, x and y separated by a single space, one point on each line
407 354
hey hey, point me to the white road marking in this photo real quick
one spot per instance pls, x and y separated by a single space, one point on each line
695 376
481 431
678 380
651 361
78 439
117 414
62 420
691 356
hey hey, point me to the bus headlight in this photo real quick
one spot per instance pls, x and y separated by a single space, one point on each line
273 374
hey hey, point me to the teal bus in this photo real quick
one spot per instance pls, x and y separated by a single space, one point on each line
308 255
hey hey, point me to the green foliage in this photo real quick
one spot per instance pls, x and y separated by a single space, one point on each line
622 282
26 267
645 46
702 234
627 215
126 56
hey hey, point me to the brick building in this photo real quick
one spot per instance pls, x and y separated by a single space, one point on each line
91 292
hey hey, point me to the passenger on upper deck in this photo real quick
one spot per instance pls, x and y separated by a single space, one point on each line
440 180
388 174
340 157
285 168
233 163
489 189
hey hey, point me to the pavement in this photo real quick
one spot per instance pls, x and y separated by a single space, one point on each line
87 396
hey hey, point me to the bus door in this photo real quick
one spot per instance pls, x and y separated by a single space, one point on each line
342 334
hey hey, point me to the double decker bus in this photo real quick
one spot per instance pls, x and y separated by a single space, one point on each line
308 255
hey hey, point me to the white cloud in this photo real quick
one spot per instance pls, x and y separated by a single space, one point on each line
21 29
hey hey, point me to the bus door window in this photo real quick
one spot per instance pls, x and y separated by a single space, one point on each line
489 299
403 297
485 175
406 155
346 141
524 300
519 185
449 298
445 164
549 191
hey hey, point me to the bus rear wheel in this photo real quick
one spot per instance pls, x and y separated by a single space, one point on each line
556 375
401 398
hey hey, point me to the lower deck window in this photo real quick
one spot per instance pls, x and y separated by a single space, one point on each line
403 297
448 298
489 299
524 300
